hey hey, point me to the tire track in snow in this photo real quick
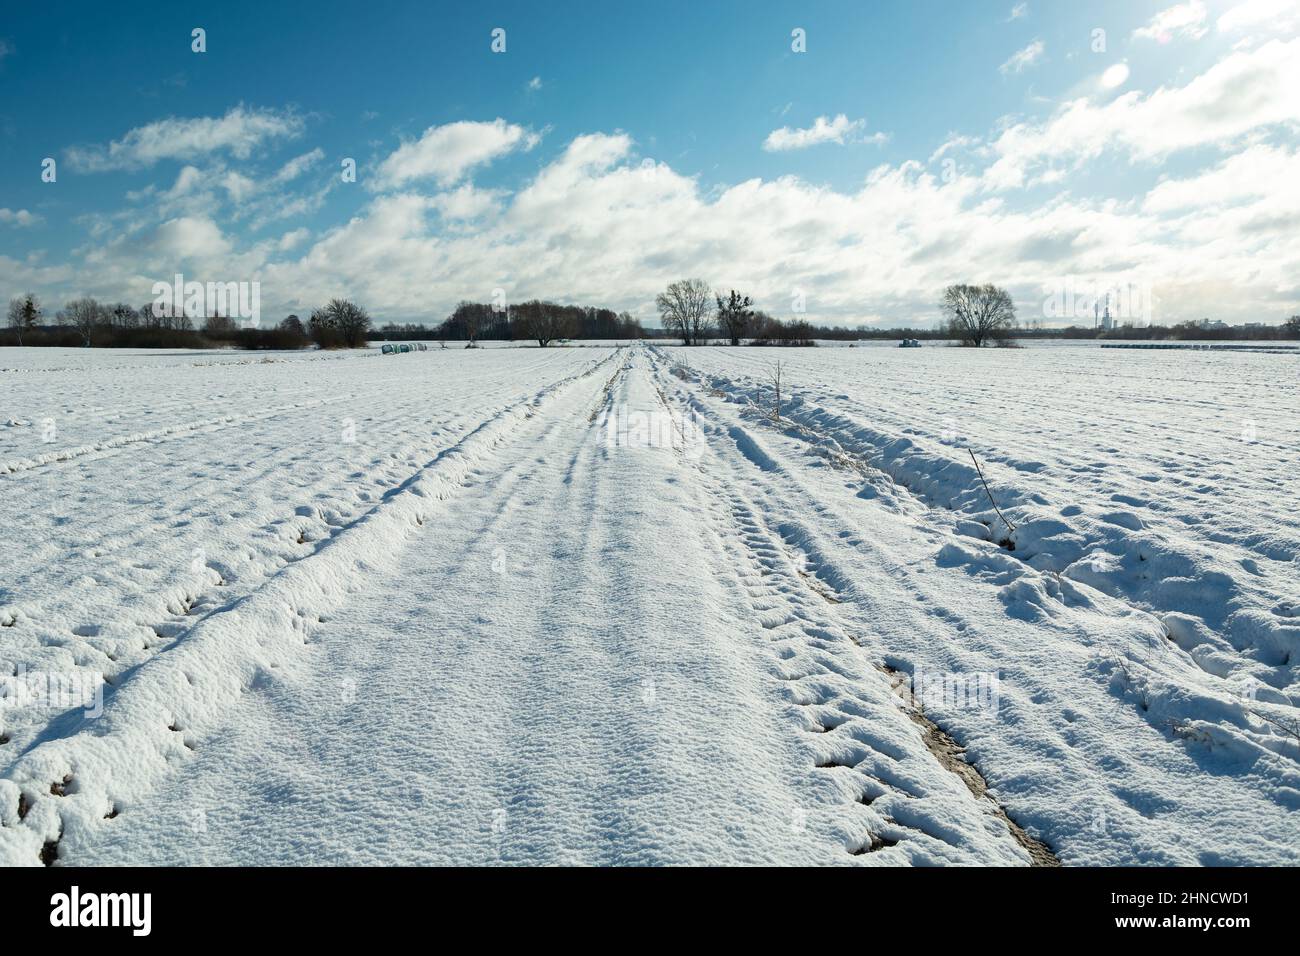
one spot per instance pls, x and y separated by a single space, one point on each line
140 620
170 431
1115 781
180 430
152 720
859 731
1269 725
538 739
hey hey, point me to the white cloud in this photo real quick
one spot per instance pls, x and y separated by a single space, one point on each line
535 83
197 192
1275 16
18 217
190 238
31 273
186 181
238 186
1019 11
292 239
274 207
839 130
1246 91
953 143
465 202
1257 172
1184 20
5 49
299 165
1021 60
238 133
446 153
597 226
1114 76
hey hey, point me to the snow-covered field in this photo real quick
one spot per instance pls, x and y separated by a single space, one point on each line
595 605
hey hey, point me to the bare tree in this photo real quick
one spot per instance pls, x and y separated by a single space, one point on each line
122 316
472 323
629 327
684 307
978 313
15 317
24 312
559 322
219 326
322 330
351 321
525 320
544 321
84 315
471 317
735 315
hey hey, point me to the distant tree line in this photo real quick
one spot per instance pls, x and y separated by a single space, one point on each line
88 322
1288 330
694 313
772 331
536 320
400 332
338 324
689 310
973 315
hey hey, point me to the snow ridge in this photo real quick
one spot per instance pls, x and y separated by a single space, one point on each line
1254 651
71 783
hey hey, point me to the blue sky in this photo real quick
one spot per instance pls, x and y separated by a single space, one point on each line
612 148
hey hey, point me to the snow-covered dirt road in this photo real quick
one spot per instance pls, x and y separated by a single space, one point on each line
596 606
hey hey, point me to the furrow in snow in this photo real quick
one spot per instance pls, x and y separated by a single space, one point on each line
1064 747
73 780
154 435
897 802
1252 651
